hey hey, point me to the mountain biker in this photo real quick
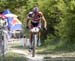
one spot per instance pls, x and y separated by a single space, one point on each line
2 20
35 16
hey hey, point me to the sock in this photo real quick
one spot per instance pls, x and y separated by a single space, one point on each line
39 42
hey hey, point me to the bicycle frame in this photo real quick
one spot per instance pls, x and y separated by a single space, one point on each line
35 31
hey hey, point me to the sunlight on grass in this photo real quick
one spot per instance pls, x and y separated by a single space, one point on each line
46 50
12 57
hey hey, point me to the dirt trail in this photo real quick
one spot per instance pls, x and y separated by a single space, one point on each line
26 52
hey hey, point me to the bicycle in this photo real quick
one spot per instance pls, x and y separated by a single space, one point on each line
35 31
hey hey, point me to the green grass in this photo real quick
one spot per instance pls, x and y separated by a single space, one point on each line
12 57
19 47
56 49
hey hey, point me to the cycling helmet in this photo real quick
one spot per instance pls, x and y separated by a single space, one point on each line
35 9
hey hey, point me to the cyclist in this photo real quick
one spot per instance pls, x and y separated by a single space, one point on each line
36 17
2 20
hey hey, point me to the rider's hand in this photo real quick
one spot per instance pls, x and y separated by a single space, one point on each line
45 27
27 27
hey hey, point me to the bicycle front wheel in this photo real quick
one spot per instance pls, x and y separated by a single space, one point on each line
34 45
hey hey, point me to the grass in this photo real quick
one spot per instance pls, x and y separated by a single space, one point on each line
12 57
66 50
19 47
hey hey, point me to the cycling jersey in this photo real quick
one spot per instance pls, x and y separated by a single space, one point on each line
35 18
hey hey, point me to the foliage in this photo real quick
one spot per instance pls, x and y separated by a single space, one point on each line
60 18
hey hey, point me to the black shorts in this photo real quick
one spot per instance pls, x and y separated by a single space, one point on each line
38 24
35 24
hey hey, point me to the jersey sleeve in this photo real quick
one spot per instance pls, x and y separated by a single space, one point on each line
29 15
41 14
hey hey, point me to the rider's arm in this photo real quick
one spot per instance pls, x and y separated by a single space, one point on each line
28 18
45 22
27 21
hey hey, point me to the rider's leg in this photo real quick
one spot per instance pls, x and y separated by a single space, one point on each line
31 39
39 41
30 48
31 26
39 35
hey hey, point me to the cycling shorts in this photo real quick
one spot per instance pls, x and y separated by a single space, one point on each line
38 24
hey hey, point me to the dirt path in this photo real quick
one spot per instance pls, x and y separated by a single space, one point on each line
25 52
